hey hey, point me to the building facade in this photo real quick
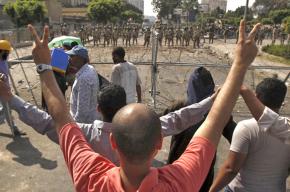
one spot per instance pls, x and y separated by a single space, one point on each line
138 4
74 3
213 4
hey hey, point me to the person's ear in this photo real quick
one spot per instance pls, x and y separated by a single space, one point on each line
99 109
113 142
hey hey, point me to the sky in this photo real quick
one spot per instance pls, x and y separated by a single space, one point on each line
232 5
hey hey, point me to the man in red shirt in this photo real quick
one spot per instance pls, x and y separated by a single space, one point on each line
137 135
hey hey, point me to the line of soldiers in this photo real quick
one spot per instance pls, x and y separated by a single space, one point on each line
182 37
109 35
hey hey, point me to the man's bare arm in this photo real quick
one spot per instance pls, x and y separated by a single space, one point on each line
255 106
54 98
219 114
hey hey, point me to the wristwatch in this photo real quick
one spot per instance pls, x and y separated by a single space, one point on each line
43 67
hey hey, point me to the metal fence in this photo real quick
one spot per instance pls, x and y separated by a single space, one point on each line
169 81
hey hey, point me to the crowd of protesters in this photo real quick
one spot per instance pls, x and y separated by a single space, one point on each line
109 138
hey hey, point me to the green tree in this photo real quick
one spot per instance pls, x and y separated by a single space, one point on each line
23 12
218 12
278 15
130 14
104 11
165 7
267 21
239 12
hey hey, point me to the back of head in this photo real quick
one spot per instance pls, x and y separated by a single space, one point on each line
136 130
119 51
271 92
110 99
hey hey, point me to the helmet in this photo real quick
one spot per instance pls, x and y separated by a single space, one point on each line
5 45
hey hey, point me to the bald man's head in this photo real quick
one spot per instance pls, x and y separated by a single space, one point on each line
136 130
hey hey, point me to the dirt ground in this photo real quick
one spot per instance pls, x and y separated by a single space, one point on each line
33 163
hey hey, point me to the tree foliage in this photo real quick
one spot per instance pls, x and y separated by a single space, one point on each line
278 15
104 11
165 7
239 13
23 12
267 21
218 12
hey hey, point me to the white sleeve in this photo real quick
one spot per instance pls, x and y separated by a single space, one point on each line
178 121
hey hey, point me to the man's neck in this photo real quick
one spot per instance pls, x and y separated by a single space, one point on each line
132 175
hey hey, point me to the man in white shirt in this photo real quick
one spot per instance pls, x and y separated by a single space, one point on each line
83 101
257 161
126 75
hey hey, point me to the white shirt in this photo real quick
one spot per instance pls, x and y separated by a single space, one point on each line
126 75
83 100
268 159
275 125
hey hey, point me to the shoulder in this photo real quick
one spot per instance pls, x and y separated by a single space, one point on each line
246 127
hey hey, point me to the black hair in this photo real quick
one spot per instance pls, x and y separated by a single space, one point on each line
271 92
119 51
110 99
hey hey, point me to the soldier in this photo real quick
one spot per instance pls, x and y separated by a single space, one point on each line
115 36
166 36
82 35
178 36
147 36
211 34
107 36
274 35
160 36
186 37
170 37
261 36
226 33
128 36
283 36
196 38
237 35
51 33
135 35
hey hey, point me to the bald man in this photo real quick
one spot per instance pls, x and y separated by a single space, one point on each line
140 138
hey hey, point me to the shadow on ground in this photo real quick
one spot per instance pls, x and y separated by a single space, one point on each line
27 155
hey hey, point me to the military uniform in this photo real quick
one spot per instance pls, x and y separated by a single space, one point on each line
147 36
135 36
178 36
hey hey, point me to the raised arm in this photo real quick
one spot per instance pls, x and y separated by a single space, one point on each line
267 119
177 121
54 98
219 114
255 106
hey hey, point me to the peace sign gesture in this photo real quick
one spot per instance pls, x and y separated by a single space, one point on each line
246 49
40 51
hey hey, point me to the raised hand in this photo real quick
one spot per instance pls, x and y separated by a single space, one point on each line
246 49
40 51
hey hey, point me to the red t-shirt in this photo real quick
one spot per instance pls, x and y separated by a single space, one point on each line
92 172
